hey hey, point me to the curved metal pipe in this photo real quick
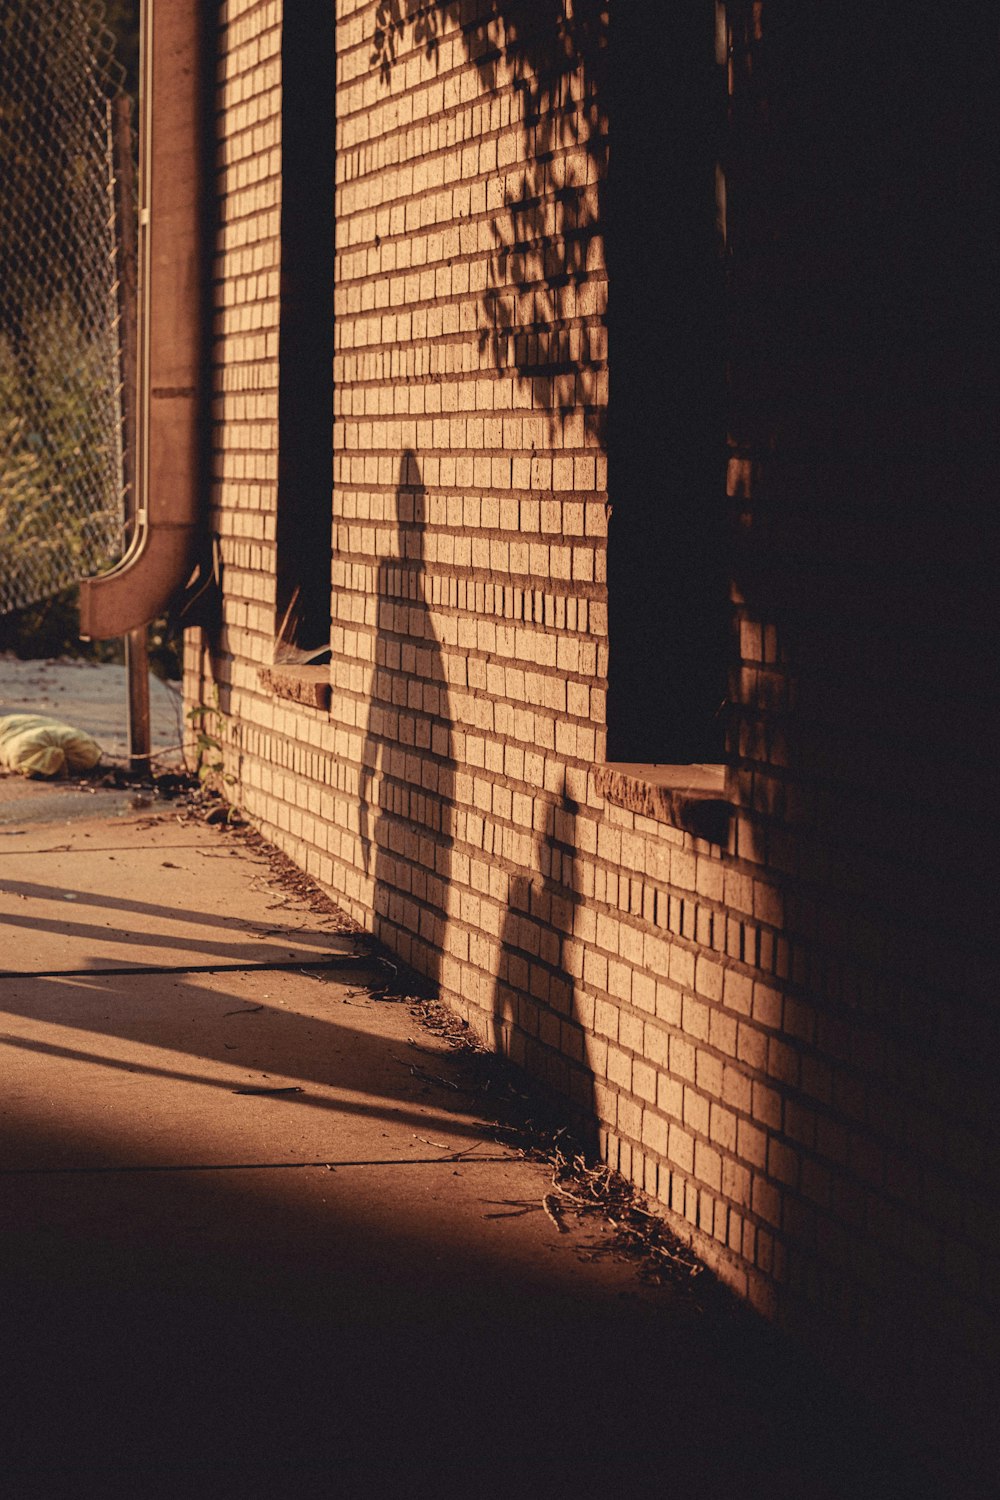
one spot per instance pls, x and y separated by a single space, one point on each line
169 472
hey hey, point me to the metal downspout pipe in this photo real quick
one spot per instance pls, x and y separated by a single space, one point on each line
171 398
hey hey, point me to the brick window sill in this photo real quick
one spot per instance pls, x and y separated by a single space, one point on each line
691 797
299 684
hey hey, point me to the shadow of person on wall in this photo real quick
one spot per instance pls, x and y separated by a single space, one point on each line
406 789
536 1019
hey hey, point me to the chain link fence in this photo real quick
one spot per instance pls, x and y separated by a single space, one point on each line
61 471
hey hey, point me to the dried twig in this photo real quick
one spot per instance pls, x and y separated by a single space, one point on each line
453 1155
552 1211
419 1072
518 1208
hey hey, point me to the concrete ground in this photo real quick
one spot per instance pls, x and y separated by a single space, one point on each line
257 1232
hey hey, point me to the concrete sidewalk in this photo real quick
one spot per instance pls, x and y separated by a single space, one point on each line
256 1225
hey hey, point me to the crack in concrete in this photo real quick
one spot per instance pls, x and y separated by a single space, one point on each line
255 1166
336 961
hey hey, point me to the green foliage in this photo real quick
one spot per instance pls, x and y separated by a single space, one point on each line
60 479
58 485
210 769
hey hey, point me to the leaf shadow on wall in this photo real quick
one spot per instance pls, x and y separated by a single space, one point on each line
543 303
407 763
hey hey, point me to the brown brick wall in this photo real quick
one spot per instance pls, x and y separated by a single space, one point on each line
779 1039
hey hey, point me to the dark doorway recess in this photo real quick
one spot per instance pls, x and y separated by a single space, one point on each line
667 574
305 343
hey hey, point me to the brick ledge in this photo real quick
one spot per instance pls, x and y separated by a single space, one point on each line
299 684
691 797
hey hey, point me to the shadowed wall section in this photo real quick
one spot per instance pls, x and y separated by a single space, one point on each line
305 347
864 393
668 540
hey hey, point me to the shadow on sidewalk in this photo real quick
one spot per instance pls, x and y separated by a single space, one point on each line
318 1325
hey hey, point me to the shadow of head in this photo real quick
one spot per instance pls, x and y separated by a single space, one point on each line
411 508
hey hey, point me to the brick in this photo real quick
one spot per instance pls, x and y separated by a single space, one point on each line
751 1144
708 1165
782 1162
681 1149
696 1111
